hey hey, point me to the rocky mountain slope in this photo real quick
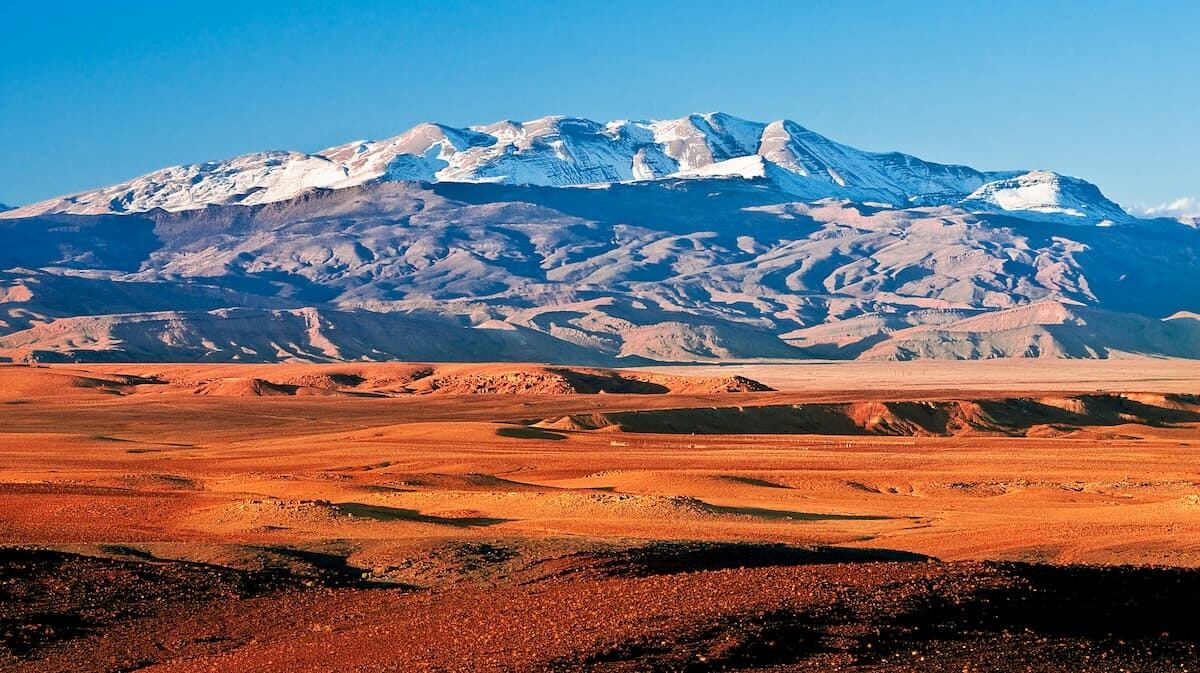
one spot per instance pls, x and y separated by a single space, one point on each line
675 269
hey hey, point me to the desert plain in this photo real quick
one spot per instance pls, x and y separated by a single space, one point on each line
1025 515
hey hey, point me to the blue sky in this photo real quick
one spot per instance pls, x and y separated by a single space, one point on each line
92 93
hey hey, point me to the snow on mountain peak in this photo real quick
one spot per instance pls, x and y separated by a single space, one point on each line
748 167
560 151
1049 193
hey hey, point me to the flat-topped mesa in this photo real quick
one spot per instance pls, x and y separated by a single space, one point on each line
1066 415
562 151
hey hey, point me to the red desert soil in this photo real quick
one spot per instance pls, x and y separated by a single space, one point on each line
392 517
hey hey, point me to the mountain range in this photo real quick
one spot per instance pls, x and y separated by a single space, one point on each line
563 239
566 151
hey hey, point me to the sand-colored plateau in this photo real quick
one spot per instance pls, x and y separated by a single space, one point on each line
372 517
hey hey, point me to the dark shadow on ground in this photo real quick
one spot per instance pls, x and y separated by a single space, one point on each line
669 558
380 513
526 432
48 597
1001 617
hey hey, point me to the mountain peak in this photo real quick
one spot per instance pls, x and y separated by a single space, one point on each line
1048 193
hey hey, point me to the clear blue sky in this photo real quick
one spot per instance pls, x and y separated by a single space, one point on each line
92 93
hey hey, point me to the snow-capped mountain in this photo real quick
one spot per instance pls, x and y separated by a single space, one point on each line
561 239
567 151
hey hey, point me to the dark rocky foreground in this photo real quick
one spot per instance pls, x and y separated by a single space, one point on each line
661 607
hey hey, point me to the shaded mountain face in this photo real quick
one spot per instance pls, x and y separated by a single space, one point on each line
688 268
566 151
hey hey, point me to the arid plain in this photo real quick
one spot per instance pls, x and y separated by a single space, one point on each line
1001 515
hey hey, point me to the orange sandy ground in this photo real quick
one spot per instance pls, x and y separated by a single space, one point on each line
387 483
186 474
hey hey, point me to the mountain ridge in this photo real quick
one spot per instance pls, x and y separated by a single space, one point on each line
562 151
